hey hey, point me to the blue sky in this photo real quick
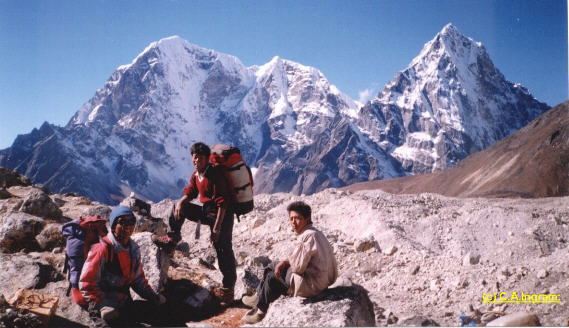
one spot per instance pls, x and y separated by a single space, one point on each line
54 55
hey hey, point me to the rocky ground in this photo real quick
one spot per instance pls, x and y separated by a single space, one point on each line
421 258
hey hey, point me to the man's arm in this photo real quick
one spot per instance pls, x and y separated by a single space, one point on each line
281 268
190 192
217 225
91 273
179 205
302 255
221 198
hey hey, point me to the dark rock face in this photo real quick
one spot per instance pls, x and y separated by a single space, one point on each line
9 178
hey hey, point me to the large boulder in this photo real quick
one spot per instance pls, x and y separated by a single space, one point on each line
51 237
149 224
68 313
24 271
163 209
18 231
154 260
98 210
517 319
38 203
344 306
144 219
137 205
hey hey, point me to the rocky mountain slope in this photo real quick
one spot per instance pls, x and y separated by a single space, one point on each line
451 101
296 129
421 258
532 162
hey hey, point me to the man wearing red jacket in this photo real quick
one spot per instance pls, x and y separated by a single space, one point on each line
112 267
209 183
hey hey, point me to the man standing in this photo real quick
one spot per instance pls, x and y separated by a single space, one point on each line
112 267
310 268
209 183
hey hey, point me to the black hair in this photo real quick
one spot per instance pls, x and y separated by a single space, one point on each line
302 208
200 148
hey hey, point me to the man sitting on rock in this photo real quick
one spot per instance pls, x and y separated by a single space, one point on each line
310 268
112 267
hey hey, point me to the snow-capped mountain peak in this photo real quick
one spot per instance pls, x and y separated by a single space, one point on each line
449 102
297 129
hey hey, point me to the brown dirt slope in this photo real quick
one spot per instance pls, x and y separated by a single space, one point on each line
533 162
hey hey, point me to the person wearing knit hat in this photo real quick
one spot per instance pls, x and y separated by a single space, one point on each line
113 266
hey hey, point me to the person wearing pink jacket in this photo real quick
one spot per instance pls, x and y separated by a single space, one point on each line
113 266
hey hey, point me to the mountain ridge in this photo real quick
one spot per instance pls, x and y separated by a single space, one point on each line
287 118
530 163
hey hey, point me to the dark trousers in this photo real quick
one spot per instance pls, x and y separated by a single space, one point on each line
224 246
131 314
271 288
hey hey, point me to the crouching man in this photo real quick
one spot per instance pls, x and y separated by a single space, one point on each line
310 268
112 267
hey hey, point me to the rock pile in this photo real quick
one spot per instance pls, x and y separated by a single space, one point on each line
417 258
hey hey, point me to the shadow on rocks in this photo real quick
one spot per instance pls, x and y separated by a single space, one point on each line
188 301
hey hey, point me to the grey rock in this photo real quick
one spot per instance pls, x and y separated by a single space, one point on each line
18 271
247 281
38 203
258 222
390 250
18 231
418 321
518 319
415 270
365 244
58 201
150 224
22 271
51 237
68 313
137 205
154 260
471 259
163 209
97 210
343 306
541 274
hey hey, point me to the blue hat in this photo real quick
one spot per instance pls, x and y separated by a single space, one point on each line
117 212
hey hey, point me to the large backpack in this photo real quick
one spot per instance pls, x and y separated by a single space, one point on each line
237 174
77 247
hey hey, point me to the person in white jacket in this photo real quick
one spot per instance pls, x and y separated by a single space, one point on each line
310 268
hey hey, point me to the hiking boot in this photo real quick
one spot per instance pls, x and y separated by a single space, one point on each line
226 295
253 316
250 301
166 242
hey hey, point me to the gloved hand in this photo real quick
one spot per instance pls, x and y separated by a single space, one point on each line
109 313
161 299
